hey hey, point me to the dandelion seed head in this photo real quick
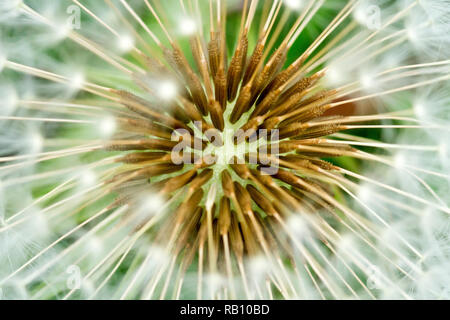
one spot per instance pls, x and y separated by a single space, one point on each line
351 172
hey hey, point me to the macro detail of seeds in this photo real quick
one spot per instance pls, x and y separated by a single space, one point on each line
224 149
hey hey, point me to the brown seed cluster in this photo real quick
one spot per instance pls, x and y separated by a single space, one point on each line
240 215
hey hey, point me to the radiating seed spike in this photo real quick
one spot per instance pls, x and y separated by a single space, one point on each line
189 229
224 216
191 203
237 242
197 92
271 123
289 178
261 200
236 68
268 101
214 53
242 103
269 70
254 62
200 180
227 183
144 108
144 126
220 84
293 129
216 115
280 79
178 182
191 110
241 169
318 131
143 144
137 157
243 197
248 130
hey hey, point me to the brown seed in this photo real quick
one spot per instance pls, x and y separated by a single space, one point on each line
271 123
214 53
269 70
189 229
142 144
247 131
288 105
237 242
293 129
191 110
267 102
197 92
227 184
241 169
159 169
236 68
244 199
309 104
242 103
308 115
177 182
138 157
318 131
224 216
220 85
216 115
144 126
188 207
146 172
261 200
280 79
145 109
254 62
289 178
200 180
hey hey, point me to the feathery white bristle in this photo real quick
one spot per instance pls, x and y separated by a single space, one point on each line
187 26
